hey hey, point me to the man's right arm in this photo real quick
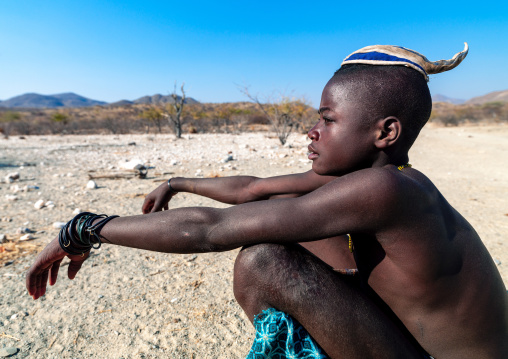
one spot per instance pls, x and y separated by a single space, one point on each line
236 189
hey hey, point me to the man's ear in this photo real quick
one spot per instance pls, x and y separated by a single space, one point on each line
388 132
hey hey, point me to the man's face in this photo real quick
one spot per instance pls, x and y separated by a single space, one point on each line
342 140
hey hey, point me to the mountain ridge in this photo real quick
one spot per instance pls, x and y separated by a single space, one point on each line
72 100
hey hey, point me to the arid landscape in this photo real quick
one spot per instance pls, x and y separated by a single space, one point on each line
129 303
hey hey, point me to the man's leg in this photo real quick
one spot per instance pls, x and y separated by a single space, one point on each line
342 319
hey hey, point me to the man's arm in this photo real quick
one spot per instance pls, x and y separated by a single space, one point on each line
236 189
354 203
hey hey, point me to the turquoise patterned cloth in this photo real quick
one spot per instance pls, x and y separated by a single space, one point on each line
280 336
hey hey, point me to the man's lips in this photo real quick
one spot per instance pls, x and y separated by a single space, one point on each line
312 153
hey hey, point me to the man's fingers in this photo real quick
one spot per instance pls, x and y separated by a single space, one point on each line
156 207
147 206
53 274
30 283
42 280
74 267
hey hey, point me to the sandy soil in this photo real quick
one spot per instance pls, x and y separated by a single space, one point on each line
129 303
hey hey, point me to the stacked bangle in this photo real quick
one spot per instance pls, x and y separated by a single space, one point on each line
80 234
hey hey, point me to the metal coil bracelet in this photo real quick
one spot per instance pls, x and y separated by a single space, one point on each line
80 234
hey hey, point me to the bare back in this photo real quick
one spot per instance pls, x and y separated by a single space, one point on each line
432 269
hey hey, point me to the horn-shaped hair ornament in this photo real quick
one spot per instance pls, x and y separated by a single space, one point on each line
397 55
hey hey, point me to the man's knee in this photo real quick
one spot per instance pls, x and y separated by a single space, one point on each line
254 271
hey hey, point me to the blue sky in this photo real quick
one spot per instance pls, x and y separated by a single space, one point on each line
112 50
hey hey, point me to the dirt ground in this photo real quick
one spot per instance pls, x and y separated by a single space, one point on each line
128 303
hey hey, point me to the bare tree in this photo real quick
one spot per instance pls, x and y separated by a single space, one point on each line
174 115
281 113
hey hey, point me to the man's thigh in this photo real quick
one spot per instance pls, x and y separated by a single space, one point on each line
343 319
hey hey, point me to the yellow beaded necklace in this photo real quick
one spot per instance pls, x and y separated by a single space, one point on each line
400 168
351 247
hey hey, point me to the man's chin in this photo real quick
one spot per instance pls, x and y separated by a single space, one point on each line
319 170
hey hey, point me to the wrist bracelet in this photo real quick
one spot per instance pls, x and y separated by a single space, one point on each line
171 188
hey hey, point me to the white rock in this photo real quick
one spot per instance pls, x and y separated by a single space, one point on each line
70 174
76 211
23 230
29 188
3 237
11 197
50 204
15 188
58 225
6 219
132 164
39 204
26 237
174 162
91 184
11 177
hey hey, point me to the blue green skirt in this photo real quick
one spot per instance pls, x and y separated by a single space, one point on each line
280 336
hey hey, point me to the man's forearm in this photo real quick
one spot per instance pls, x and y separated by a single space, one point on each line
183 230
231 190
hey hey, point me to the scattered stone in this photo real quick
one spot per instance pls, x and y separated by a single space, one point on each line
70 174
6 219
198 173
11 197
11 177
14 316
3 237
283 155
174 300
26 237
91 184
59 225
23 230
228 158
39 204
497 261
173 162
135 164
15 189
76 211
50 204
8 351
29 188
131 144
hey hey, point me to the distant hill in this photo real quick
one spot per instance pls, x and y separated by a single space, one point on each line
159 99
120 103
496 96
34 100
443 98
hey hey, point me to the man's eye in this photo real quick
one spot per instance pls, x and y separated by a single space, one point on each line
327 120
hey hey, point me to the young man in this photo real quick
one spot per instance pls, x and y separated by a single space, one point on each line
426 284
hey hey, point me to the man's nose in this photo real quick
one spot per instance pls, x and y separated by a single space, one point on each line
313 134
